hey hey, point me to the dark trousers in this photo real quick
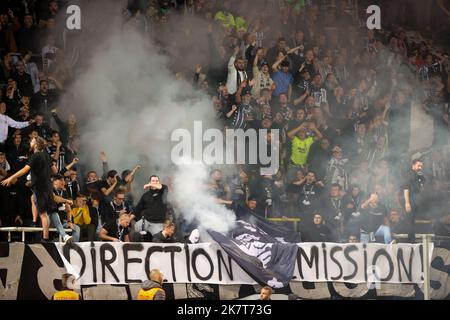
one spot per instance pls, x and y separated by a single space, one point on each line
411 219
87 232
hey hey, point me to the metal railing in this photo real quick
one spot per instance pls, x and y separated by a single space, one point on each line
23 230
294 221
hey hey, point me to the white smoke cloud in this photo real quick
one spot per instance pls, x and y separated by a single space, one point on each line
132 102
194 201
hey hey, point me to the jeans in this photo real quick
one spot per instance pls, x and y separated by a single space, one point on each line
381 231
56 221
75 231
144 225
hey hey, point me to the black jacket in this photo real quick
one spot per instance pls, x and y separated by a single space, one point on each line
159 238
24 84
153 205
318 234
43 130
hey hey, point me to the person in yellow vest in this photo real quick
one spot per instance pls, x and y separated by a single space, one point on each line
152 289
68 293
301 143
82 218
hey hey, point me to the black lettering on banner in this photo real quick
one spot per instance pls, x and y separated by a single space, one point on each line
4 252
365 261
347 251
440 274
324 250
220 259
172 250
150 251
195 254
383 252
332 252
421 262
73 246
126 248
107 263
94 262
188 264
314 253
401 262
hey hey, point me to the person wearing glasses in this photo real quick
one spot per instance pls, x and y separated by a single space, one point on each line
110 211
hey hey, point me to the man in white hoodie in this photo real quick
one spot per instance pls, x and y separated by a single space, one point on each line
236 72
6 122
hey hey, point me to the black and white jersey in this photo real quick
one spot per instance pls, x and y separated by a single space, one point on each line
61 161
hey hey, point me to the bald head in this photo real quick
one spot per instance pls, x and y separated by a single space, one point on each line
156 275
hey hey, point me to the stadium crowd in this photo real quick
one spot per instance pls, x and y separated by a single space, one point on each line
342 97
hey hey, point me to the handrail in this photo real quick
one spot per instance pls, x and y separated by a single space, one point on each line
285 219
29 229
420 235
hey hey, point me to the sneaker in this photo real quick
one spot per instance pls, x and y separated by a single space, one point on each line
68 239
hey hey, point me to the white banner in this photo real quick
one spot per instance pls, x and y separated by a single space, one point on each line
360 263
125 263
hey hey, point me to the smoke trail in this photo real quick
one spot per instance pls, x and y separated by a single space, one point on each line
132 103
195 203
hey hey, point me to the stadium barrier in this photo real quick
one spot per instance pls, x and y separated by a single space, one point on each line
24 230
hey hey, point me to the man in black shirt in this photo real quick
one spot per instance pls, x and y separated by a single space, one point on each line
41 127
240 190
17 153
27 35
23 79
166 235
64 210
91 184
116 230
41 183
412 192
352 205
310 192
72 185
151 210
110 211
57 151
44 100
397 222
332 209
318 232
108 186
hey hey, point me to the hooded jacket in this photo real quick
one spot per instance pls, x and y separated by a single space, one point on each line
151 290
